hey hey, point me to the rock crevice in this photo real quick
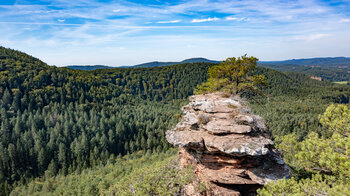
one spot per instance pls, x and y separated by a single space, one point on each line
229 147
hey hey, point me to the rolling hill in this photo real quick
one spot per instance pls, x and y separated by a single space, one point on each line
320 62
312 62
88 67
160 64
149 64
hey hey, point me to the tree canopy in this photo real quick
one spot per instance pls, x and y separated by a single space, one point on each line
233 76
321 165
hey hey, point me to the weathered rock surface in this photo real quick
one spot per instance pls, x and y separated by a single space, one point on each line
229 147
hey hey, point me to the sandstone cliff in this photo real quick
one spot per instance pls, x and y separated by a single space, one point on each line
229 148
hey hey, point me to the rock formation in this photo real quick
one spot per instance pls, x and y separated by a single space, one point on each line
229 148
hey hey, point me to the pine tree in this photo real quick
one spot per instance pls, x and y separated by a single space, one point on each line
233 76
7 98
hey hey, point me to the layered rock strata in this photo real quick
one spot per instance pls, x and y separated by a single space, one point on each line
228 146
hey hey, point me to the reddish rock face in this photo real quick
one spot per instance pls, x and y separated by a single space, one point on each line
229 148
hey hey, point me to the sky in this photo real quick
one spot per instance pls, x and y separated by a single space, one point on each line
128 32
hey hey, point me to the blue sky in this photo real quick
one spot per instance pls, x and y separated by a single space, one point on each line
66 32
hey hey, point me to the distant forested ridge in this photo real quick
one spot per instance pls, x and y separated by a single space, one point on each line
88 67
324 62
56 121
160 64
332 69
149 64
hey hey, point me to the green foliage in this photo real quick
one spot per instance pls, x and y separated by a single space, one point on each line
232 76
163 178
157 172
318 155
337 119
294 102
317 185
341 82
327 159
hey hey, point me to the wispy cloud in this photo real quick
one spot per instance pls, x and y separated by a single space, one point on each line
230 18
79 27
39 23
344 20
313 37
205 20
169 21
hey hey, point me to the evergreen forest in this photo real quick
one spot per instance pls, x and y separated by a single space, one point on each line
66 131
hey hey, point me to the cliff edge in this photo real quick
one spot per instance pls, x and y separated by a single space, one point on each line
229 147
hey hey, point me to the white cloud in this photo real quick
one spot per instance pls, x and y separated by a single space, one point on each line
317 36
230 18
205 20
312 37
345 20
38 23
300 22
170 21
190 46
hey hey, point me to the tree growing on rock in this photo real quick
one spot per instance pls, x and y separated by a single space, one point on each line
233 76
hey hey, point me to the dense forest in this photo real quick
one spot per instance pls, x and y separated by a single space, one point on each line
293 102
62 122
339 73
59 120
136 174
